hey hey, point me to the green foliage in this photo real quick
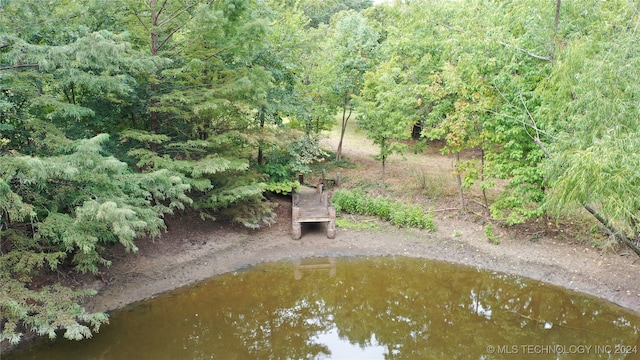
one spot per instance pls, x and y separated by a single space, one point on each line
320 12
284 163
352 44
489 233
398 213
67 208
594 141
352 202
82 199
384 126
223 185
44 311
411 216
284 187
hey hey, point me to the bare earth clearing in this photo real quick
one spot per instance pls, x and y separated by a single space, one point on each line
194 250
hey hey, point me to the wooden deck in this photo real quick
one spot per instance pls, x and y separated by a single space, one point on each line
311 205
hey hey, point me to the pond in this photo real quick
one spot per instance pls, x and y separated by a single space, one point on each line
360 308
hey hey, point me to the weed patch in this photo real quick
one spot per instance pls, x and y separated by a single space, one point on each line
490 234
398 213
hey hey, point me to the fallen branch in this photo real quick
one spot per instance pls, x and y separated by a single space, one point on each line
447 209
18 66
479 203
617 234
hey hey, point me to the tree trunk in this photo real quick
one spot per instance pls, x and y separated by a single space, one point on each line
345 121
154 122
261 115
556 23
618 235
384 162
459 179
484 191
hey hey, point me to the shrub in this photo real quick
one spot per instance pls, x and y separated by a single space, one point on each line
490 234
398 213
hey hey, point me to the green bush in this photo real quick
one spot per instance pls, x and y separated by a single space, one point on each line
398 213
351 202
490 234
282 187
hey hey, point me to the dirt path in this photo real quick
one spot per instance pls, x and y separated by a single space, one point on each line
194 250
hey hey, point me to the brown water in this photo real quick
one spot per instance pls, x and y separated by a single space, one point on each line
360 308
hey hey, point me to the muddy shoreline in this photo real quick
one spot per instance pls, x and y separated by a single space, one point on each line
194 250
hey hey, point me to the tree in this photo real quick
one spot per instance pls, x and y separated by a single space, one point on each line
65 209
64 201
352 47
592 145
320 12
383 125
463 83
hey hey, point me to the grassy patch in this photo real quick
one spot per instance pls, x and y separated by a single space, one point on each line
433 186
396 212
357 225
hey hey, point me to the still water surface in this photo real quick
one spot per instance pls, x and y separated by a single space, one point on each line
360 308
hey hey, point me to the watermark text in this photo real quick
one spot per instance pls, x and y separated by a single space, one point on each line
535 349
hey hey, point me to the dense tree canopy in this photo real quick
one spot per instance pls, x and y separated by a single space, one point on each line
114 114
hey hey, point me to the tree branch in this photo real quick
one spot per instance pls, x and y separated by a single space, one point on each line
556 22
178 13
531 125
168 37
162 7
536 139
140 21
13 67
539 57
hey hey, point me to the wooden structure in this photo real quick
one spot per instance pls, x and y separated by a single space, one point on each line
311 205
326 181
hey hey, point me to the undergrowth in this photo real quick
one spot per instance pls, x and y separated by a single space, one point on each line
491 235
398 213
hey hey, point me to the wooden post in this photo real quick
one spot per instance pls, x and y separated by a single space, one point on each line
338 179
296 226
320 191
331 225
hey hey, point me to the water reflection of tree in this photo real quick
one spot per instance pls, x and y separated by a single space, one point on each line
257 315
410 306
414 308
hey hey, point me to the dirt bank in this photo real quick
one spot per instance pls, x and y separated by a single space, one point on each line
194 250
